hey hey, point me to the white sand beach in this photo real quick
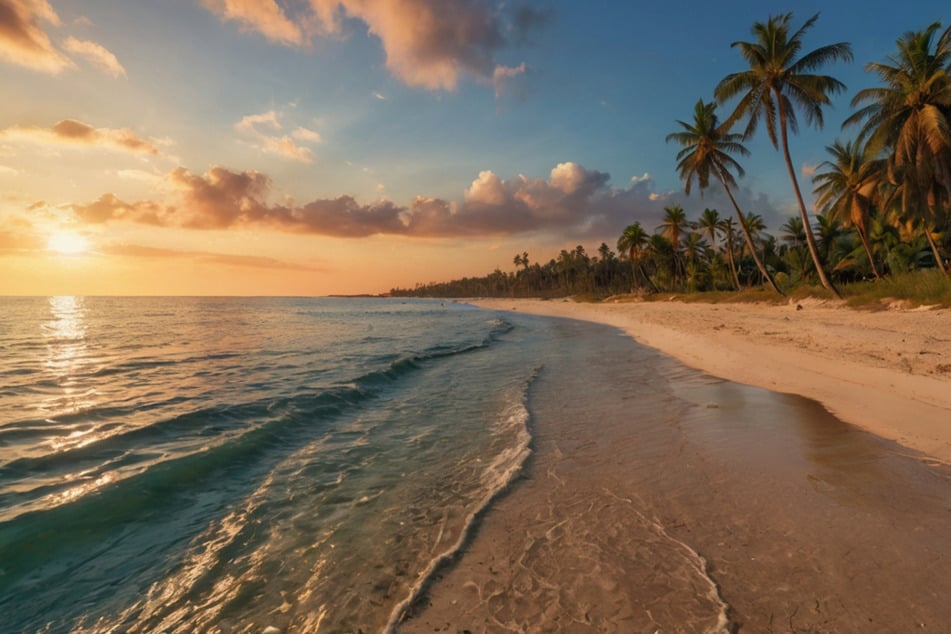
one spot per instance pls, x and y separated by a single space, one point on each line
887 372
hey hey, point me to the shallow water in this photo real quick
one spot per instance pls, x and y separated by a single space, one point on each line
226 465
661 499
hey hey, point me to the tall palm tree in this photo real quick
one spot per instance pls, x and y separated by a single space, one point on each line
673 227
632 241
778 82
712 224
911 115
848 188
728 227
706 151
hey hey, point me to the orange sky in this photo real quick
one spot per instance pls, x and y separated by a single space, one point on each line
264 147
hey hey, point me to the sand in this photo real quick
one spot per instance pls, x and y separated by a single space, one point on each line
887 372
660 499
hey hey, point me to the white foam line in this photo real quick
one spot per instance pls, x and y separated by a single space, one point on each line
522 451
700 564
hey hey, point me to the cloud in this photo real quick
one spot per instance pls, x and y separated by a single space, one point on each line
505 77
251 122
8 171
70 132
97 55
283 145
808 169
22 39
264 16
427 43
309 136
108 208
572 199
227 259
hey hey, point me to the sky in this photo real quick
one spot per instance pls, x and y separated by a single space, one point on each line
314 147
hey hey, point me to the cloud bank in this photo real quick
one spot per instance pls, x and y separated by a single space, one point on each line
571 199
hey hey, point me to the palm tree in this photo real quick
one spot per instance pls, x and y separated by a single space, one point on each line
632 242
778 81
706 152
728 227
848 188
673 227
911 115
712 224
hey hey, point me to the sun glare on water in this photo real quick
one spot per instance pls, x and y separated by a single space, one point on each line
67 244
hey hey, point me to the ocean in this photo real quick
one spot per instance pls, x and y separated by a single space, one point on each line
265 465
182 464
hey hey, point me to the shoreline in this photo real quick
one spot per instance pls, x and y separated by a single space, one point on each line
886 372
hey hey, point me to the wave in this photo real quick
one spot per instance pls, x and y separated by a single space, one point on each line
131 472
497 478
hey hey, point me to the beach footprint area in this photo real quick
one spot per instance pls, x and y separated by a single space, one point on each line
660 499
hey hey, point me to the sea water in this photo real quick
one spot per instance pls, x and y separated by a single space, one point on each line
231 464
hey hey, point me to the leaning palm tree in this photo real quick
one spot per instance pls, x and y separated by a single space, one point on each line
632 241
706 152
848 188
911 115
778 82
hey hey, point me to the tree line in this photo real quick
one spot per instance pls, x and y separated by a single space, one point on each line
884 197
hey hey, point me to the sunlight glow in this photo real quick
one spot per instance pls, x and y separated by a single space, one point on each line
66 243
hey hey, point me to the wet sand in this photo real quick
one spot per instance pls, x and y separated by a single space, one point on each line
887 371
660 499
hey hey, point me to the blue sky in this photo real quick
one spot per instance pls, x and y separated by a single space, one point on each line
288 146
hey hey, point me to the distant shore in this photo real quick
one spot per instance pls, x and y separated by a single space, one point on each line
887 372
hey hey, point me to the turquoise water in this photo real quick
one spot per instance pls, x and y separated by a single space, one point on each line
183 464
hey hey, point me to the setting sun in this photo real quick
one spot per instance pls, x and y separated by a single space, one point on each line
67 244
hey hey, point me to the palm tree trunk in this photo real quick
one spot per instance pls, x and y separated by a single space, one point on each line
934 249
634 284
749 243
868 251
732 257
807 227
647 277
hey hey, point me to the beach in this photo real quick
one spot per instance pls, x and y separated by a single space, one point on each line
887 372
666 498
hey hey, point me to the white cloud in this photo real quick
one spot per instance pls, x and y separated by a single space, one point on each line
306 135
97 55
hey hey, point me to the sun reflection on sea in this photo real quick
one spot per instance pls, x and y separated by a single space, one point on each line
66 356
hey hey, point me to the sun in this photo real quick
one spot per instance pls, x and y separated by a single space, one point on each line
66 243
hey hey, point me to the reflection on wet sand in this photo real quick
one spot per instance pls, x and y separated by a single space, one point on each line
661 499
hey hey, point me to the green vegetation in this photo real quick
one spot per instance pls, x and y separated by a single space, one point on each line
883 231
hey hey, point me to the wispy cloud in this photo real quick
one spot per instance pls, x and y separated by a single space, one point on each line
260 128
70 132
264 16
22 39
226 259
504 77
305 134
97 55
